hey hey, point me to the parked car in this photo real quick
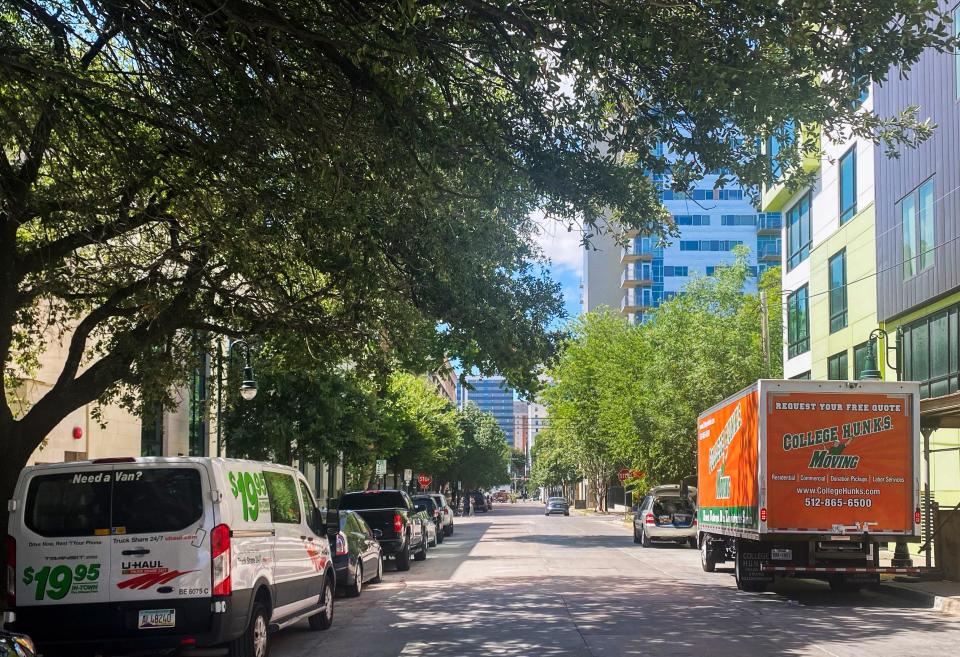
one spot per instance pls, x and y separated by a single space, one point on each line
556 505
425 513
357 555
392 513
663 515
151 554
433 512
478 502
16 645
446 512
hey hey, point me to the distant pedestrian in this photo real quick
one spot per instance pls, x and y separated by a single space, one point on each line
465 506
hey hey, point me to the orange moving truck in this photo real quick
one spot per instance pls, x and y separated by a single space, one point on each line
807 478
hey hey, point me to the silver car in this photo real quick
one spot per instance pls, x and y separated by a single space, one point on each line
664 515
557 505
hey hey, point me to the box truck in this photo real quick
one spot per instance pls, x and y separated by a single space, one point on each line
808 479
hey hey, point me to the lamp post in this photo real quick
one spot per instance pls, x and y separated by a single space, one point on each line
871 372
248 388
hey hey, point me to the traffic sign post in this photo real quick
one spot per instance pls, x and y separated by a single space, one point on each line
381 467
407 476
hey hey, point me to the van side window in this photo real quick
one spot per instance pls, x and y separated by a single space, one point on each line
284 502
308 506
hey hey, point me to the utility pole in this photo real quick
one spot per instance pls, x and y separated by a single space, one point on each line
765 332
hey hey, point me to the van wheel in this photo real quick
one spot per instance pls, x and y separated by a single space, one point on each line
255 640
379 576
356 588
403 558
324 619
421 555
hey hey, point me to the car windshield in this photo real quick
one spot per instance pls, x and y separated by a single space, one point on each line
671 505
424 503
375 499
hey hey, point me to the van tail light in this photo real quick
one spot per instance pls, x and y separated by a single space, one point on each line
648 519
220 551
694 522
10 548
341 544
397 523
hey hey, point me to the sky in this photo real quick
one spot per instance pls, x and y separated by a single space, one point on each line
566 259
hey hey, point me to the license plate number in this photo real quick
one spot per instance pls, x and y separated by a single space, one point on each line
154 618
781 554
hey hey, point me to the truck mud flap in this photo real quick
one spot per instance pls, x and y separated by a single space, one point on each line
752 560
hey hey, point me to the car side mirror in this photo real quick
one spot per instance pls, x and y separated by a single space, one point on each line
377 534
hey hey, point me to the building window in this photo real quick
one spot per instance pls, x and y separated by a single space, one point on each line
803 376
838 291
848 185
738 220
708 245
917 217
798 323
798 232
930 348
198 437
151 432
692 219
837 367
860 354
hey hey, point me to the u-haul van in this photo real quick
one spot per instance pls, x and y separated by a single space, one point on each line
165 553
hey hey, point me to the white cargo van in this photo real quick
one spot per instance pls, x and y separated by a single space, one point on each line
165 553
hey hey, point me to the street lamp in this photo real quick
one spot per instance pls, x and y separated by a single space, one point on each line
248 388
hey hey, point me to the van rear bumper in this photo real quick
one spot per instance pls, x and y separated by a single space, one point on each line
111 628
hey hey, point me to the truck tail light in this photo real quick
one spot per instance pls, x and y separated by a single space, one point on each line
10 549
917 517
648 519
341 544
694 522
220 553
397 523
763 514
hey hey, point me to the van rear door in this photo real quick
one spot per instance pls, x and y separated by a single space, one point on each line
63 536
160 548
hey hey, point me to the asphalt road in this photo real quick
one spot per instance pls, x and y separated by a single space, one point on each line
513 582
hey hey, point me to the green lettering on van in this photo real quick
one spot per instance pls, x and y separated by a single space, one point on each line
248 487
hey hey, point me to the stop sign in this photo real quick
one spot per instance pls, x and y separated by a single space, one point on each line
623 474
424 480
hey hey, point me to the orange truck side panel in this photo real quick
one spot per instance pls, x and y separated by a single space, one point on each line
839 462
727 485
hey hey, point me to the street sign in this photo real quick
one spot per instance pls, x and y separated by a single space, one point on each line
637 474
424 480
623 475
381 467
408 475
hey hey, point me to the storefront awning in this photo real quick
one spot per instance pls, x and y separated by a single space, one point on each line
941 412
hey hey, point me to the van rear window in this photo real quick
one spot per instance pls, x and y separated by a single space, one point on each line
139 501
151 501
69 504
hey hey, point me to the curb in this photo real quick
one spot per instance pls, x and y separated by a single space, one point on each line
944 604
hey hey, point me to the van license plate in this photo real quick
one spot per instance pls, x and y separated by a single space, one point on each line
781 554
154 618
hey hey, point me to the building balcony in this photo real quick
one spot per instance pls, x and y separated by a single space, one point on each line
639 248
633 302
769 223
636 275
775 197
768 253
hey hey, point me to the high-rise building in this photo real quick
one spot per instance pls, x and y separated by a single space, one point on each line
637 278
491 395
521 428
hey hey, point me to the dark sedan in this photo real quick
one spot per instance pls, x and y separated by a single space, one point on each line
357 554
557 505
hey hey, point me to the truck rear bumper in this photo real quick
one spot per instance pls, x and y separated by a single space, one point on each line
847 569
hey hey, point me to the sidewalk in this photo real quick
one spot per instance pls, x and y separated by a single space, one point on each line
942 596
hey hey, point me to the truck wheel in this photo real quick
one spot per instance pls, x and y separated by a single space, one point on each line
255 640
708 560
421 554
644 539
324 619
403 557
